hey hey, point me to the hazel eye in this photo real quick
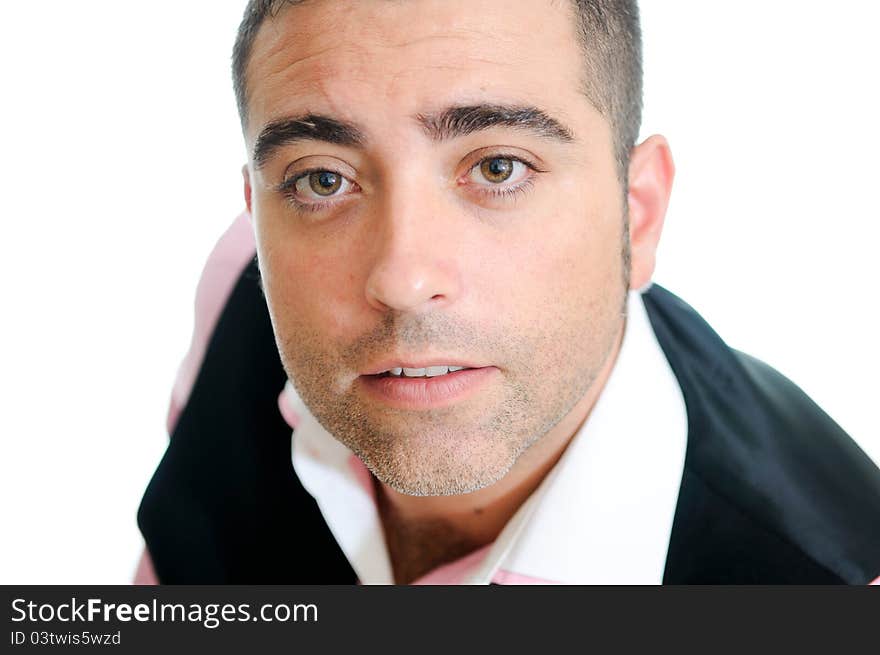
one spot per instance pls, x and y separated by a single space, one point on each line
497 170
320 184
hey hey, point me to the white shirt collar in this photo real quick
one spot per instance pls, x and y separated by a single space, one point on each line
603 515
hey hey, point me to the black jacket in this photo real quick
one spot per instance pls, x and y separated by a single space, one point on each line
773 491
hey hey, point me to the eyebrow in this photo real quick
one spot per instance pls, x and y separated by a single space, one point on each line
450 123
456 122
311 127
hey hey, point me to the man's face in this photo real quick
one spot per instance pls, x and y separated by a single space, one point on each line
422 225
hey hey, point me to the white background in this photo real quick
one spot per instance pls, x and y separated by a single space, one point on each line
120 168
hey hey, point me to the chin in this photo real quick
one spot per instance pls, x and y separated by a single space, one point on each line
446 470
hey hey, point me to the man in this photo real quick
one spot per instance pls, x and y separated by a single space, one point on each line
455 234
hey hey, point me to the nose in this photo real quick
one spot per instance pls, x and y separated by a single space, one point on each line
415 264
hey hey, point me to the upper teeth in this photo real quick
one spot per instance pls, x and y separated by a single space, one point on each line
430 371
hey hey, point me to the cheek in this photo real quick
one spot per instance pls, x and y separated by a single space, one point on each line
557 288
564 256
310 288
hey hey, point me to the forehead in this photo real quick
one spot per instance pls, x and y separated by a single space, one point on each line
379 60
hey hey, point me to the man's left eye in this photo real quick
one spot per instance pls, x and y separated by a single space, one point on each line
321 184
497 170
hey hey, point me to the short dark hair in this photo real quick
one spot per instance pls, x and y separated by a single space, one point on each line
612 43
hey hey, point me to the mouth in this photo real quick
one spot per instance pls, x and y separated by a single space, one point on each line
427 387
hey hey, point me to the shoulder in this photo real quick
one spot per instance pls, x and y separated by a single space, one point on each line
773 489
233 251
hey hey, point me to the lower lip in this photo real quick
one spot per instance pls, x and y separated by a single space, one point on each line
427 393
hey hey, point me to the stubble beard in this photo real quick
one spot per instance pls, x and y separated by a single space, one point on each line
443 455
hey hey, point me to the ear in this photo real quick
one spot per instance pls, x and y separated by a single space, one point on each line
247 187
651 172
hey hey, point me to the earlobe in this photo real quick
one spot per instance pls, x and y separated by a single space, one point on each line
247 188
651 173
